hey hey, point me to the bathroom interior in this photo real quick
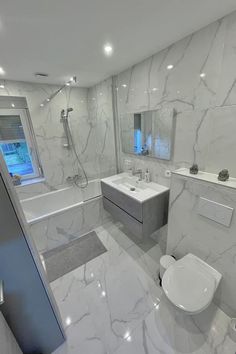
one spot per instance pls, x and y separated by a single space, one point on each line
118 177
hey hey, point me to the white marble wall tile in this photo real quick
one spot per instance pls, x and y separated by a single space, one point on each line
226 94
101 118
149 85
190 232
192 138
92 130
62 228
222 140
197 54
57 162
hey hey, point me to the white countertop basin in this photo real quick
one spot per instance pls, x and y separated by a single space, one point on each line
130 185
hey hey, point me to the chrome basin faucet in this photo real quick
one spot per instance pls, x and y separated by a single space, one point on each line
139 173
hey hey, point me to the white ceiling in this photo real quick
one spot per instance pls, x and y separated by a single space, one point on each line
65 37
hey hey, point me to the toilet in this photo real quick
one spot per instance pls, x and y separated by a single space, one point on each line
190 284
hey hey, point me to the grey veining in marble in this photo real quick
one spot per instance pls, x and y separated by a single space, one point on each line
64 259
112 305
59 229
91 124
213 242
200 88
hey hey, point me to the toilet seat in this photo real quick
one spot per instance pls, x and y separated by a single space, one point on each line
190 284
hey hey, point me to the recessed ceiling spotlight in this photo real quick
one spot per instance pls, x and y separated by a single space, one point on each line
13 105
2 86
169 67
202 75
73 79
68 321
108 49
48 99
154 89
124 85
2 71
68 84
41 105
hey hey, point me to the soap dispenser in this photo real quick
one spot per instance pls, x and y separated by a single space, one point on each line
147 175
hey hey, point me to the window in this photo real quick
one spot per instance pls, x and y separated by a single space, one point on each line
17 144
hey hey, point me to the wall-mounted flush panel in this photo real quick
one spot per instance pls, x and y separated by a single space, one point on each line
220 213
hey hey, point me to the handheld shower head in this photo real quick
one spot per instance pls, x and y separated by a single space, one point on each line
64 121
65 113
62 114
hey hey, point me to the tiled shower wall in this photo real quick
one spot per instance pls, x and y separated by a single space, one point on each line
92 127
206 107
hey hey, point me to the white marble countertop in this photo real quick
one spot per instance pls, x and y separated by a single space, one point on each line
207 177
144 191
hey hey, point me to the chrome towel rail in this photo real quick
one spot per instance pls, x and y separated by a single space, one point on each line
1 293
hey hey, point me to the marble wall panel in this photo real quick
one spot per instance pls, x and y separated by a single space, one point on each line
200 88
91 124
64 227
213 242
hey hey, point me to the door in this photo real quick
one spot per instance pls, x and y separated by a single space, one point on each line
29 308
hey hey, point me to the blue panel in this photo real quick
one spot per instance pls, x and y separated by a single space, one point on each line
17 158
137 141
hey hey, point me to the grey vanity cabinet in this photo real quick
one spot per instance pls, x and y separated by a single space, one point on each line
141 218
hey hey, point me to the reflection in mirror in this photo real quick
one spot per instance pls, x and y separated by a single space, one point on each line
148 133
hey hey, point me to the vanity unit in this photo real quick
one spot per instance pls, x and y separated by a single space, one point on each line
142 207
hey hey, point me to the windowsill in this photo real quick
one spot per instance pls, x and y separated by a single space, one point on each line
28 182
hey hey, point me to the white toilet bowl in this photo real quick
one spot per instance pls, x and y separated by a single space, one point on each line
190 284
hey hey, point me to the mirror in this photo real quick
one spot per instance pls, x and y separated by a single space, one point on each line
148 133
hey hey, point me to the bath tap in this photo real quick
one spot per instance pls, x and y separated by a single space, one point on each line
73 179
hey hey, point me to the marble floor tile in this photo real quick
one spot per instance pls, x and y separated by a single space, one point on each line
120 300
167 331
112 305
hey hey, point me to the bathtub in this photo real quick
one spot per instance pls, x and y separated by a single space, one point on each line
58 217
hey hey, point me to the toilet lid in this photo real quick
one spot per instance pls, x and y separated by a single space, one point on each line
187 287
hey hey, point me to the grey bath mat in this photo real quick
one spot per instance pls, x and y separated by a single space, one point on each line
64 259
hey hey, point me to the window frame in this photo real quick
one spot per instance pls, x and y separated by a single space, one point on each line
23 113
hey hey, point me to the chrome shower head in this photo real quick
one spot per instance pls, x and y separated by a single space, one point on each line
65 113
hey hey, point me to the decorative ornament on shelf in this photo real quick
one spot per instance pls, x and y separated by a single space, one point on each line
194 169
223 175
16 180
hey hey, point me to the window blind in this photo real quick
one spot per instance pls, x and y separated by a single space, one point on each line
11 128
